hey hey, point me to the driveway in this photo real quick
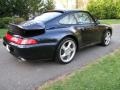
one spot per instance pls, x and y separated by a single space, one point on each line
15 75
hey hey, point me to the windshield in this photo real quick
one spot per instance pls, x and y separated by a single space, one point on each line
47 16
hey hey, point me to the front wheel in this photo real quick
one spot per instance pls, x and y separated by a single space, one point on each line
66 51
106 38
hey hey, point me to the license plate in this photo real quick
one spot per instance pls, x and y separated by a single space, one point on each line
7 47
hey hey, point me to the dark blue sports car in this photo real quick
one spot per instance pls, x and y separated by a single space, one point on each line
55 35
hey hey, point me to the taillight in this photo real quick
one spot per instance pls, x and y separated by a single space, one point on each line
20 41
29 41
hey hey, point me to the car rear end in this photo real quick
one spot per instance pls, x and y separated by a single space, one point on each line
23 44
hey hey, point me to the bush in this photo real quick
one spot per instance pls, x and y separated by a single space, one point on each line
118 8
104 9
18 20
4 22
2 25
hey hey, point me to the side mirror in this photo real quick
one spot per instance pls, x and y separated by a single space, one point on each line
97 21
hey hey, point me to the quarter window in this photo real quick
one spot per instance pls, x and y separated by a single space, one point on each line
69 19
83 18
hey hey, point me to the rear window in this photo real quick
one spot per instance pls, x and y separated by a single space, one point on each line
47 16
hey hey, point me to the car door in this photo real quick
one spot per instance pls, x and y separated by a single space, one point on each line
86 27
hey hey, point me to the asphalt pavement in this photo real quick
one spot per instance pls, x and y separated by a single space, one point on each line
16 75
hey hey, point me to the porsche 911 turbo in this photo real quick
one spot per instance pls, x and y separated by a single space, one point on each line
56 34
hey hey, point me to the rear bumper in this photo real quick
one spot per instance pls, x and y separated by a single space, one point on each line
43 51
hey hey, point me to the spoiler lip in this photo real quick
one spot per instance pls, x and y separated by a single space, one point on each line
28 25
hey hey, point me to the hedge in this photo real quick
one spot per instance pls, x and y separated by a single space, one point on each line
104 9
4 22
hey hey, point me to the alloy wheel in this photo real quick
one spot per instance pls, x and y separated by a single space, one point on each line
67 51
107 38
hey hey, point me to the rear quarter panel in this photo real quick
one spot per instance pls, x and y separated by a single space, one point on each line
56 35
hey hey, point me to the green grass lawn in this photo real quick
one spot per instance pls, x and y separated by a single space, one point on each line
110 21
102 75
2 32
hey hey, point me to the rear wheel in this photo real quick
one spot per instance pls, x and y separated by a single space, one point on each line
66 51
106 38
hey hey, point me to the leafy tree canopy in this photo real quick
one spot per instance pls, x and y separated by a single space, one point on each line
24 8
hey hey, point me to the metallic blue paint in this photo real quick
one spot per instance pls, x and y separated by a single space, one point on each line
54 33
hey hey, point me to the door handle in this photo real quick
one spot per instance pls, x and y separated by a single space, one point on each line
81 28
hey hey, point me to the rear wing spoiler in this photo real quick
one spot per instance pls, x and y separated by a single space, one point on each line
19 30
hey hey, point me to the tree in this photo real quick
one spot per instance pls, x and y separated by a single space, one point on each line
40 6
21 8
5 8
49 5
24 8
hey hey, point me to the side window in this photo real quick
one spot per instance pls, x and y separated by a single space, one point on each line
69 19
84 18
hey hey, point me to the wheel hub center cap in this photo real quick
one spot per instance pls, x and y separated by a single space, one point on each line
68 51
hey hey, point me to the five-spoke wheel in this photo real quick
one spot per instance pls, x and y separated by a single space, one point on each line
66 50
106 38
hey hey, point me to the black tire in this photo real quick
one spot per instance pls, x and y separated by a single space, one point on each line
58 58
104 42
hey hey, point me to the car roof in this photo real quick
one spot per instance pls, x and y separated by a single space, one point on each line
67 11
